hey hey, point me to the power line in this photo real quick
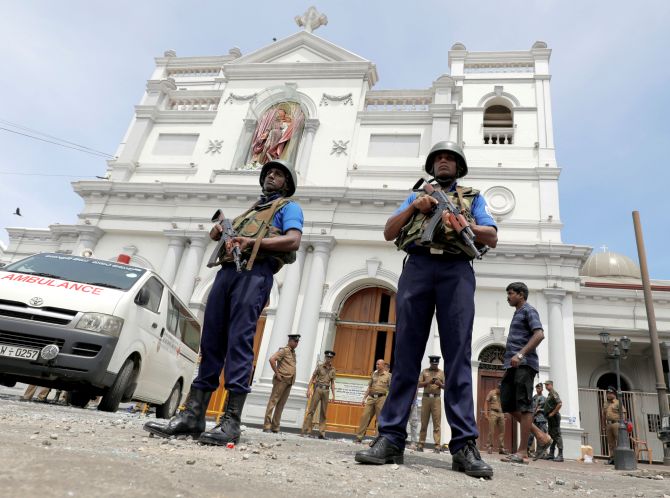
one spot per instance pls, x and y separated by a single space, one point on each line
25 128
77 147
45 174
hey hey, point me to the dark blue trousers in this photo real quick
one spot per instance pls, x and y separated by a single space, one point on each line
234 305
429 284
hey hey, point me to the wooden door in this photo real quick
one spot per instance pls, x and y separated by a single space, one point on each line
488 379
365 333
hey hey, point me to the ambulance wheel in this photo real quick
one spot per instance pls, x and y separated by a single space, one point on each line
168 409
78 398
111 399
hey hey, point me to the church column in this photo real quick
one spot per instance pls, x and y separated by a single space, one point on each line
563 367
172 260
311 306
88 238
288 298
302 164
190 265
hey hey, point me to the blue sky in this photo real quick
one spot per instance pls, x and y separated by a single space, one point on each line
75 69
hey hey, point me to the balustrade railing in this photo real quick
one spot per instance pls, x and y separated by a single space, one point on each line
194 104
193 72
403 103
498 136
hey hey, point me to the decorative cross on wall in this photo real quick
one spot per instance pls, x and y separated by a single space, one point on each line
339 147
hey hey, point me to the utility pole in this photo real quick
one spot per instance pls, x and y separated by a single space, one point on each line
664 409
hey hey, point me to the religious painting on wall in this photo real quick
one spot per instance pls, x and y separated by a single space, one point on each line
277 135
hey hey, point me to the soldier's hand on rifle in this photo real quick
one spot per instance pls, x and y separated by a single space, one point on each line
215 232
446 219
425 204
241 242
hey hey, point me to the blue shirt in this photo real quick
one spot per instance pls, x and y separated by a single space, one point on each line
289 217
480 210
525 320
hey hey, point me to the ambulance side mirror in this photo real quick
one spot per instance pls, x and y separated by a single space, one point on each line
142 298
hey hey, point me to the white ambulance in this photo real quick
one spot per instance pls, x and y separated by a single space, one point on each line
94 327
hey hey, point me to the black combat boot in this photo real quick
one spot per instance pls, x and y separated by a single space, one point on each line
228 428
550 453
468 460
559 458
189 422
380 452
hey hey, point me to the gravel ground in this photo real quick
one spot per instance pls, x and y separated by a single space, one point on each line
54 450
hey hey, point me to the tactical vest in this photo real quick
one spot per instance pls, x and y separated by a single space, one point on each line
257 223
446 239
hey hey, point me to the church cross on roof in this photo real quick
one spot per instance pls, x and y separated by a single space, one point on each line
311 20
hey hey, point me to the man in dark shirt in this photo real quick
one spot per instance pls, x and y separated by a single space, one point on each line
521 367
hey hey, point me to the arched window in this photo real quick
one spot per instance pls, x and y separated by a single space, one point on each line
492 357
498 125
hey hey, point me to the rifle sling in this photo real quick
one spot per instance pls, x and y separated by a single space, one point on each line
459 192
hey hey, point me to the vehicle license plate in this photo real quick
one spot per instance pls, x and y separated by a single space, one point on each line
18 352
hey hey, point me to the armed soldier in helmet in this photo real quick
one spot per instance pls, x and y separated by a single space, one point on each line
268 235
438 276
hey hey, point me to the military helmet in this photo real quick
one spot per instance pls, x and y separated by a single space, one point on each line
445 146
286 168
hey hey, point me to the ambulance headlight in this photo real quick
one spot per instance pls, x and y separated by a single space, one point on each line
101 323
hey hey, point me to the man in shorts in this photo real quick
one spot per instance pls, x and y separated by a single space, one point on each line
521 367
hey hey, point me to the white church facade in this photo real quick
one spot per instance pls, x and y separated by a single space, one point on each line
195 144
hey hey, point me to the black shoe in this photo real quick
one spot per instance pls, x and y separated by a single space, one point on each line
610 462
275 431
541 450
189 422
559 458
321 436
419 448
468 460
381 451
267 430
228 429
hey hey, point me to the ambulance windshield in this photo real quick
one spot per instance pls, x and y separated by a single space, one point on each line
77 269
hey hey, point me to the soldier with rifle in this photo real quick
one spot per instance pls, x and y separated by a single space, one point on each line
267 236
438 274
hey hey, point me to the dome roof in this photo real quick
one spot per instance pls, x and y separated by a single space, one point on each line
609 264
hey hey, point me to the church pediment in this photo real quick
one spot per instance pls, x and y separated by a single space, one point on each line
300 47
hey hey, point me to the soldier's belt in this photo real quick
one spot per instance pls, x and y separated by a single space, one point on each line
428 395
495 410
377 395
613 421
322 386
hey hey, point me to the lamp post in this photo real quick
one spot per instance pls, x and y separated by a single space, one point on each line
624 456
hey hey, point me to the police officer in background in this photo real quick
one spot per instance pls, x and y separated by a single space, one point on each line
323 380
374 397
496 418
439 276
552 407
432 382
283 364
612 416
268 235
539 419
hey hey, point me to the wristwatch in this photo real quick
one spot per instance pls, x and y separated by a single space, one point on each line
520 356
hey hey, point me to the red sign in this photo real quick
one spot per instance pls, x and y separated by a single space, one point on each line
50 282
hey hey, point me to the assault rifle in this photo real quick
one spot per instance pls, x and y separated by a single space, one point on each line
219 251
456 218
